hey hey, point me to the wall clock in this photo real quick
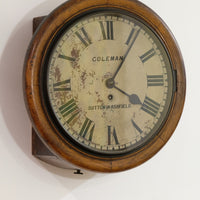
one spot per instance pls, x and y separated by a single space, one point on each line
104 83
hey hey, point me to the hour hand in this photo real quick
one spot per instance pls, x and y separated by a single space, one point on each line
133 98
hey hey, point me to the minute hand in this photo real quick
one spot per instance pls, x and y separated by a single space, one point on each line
133 41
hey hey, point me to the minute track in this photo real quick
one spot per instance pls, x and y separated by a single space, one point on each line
119 82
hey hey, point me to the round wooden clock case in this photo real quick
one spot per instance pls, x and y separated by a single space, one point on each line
104 83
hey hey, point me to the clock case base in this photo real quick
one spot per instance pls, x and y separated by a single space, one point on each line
39 149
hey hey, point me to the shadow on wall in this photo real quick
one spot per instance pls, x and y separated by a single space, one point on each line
11 95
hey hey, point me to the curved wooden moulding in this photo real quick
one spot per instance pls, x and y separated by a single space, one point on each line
41 120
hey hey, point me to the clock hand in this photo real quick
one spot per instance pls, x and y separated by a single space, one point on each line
133 98
126 54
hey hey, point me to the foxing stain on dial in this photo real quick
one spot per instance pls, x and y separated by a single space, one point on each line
75 53
57 74
83 78
99 100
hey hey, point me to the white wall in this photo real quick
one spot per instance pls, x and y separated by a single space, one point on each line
174 173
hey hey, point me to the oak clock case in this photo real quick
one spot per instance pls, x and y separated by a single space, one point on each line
104 84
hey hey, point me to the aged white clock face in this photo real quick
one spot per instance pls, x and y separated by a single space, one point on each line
109 82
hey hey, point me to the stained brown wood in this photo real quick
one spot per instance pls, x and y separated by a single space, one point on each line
42 121
36 22
39 149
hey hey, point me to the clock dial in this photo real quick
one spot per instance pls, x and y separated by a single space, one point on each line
109 82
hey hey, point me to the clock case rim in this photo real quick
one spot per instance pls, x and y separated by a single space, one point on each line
34 101
45 96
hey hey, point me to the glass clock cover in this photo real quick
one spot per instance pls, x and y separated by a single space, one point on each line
109 82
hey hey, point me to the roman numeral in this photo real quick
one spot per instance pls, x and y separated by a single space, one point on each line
155 80
149 54
87 128
107 31
69 110
112 136
62 86
150 106
85 39
66 57
136 127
